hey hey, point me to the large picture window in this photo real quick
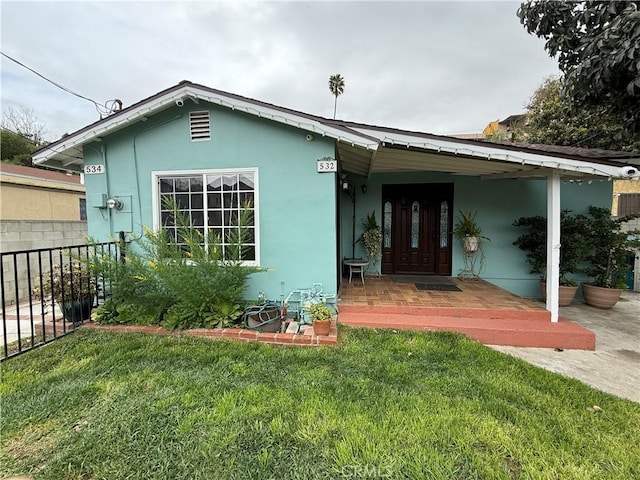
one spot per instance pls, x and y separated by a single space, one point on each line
214 202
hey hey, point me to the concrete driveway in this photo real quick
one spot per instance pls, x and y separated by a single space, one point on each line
614 366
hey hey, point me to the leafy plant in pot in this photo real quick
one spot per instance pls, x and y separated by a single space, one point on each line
574 250
321 317
468 231
371 238
608 244
71 287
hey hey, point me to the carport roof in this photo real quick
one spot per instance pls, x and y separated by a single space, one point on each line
362 149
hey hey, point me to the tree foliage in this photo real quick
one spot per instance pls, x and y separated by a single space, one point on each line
336 87
553 119
598 49
15 148
23 121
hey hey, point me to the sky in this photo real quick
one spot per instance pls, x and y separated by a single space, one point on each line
438 67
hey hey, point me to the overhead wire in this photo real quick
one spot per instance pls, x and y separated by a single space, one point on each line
103 109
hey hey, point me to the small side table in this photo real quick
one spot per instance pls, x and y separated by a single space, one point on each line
357 266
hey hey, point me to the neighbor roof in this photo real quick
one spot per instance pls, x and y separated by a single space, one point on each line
362 148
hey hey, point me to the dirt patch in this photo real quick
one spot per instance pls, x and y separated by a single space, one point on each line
32 442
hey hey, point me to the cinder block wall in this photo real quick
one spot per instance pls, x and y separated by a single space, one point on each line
18 235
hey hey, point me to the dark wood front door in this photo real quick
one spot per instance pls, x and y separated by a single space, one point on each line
416 222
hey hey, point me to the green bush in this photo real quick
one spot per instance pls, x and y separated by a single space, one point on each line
609 244
573 238
190 284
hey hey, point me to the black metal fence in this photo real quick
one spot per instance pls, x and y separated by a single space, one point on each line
41 292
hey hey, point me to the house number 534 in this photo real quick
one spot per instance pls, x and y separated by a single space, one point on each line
327 164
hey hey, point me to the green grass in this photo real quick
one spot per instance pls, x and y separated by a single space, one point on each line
98 405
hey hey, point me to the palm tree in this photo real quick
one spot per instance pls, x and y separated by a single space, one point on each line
336 87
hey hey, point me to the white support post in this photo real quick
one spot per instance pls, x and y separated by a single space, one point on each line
553 243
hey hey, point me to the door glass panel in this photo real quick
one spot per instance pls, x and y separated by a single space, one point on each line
415 224
386 224
444 223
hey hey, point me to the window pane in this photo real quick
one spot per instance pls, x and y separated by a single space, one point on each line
166 185
196 184
230 200
166 218
182 201
196 200
165 201
248 253
246 199
444 224
182 184
231 218
214 183
217 234
230 182
214 200
386 223
415 224
250 235
246 181
197 218
215 219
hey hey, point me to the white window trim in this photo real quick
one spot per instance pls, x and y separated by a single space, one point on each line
155 195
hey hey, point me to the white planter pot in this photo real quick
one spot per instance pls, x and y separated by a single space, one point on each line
470 244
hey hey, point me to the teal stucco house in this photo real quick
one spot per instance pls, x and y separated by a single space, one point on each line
311 180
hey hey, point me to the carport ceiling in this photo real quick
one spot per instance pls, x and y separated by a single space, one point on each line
386 159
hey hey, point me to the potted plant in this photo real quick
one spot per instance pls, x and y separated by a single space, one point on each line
574 250
468 231
609 245
371 238
71 287
321 317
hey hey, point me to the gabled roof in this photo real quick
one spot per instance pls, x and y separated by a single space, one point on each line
67 151
362 148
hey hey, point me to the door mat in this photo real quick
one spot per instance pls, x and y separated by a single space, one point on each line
428 279
440 287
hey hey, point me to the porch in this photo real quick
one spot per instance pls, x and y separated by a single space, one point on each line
479 310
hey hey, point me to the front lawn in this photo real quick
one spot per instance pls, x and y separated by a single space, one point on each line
403 405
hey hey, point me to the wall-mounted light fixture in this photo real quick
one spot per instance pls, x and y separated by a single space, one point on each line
364 188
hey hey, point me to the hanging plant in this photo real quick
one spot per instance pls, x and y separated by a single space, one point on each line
371 238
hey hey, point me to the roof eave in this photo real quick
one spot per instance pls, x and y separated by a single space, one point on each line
450 146
187 91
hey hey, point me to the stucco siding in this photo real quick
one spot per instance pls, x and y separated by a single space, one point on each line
498 203
297 219
23 202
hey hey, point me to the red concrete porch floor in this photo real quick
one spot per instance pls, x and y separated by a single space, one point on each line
482 311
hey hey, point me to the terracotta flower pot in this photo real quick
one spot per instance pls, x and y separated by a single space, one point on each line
321 327
566 294
600 297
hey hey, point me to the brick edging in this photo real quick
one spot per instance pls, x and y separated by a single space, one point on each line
239 334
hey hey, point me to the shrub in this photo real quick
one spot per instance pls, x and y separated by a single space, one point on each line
609 245
187 283
65 284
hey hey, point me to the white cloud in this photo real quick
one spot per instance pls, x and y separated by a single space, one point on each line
437 67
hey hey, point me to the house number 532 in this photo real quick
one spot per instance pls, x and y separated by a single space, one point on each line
327 164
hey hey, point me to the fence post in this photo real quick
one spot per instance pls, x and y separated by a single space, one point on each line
123 247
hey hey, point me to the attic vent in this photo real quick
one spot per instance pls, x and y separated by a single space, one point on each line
199 126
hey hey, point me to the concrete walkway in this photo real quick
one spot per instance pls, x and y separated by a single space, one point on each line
614 367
